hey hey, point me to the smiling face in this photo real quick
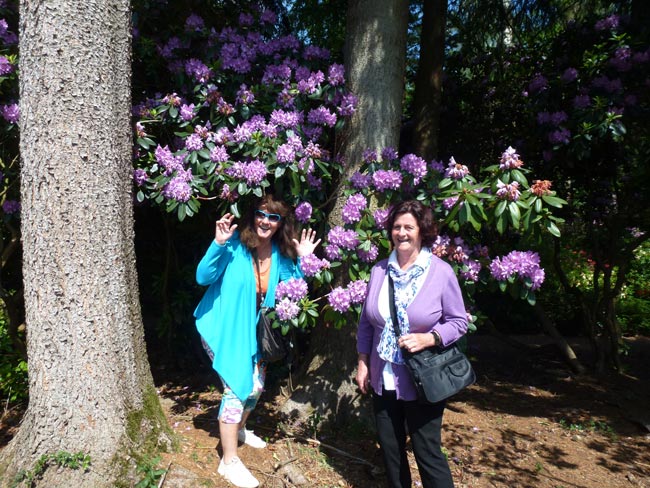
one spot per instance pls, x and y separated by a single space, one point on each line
266 224
405 235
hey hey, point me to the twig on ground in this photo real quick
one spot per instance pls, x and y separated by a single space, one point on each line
284 463
162 480
338 451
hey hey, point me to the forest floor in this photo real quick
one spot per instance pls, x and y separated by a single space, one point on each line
527 422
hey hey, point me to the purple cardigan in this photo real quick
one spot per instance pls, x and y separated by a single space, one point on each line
437 306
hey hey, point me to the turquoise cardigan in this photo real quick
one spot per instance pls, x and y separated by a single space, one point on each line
226 316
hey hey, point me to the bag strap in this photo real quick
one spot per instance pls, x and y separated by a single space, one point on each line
391 305
259 296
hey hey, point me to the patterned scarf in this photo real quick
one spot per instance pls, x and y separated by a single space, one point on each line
406 287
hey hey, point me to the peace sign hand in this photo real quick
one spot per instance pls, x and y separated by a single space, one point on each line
224 229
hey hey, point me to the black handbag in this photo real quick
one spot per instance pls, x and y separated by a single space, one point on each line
270 341
437 372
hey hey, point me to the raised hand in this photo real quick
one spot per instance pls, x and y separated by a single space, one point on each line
224 229
306 245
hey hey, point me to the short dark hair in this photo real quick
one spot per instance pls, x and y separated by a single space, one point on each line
423 215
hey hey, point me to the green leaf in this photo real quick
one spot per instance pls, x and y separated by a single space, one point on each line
501 224
173 111
519 177
531 298
552 228
554 201
500 208
515 215
538 205
234 209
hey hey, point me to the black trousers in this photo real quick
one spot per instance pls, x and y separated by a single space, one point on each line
392 416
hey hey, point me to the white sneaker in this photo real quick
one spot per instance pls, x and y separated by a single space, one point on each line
237 474
248 437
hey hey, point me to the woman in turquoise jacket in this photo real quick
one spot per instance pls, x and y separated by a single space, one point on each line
242 269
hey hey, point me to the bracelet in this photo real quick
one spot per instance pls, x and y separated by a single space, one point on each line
437 340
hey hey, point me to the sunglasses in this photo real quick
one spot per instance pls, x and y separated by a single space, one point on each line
261 214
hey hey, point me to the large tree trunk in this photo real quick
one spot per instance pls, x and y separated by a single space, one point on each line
428 83
90 385
375 58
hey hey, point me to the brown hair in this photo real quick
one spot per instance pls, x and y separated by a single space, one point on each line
286 227
423 215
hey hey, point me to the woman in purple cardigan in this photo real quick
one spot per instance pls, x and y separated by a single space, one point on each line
430 311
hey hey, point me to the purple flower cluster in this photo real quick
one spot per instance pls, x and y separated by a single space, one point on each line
286 309
510 159
508 191
11 113
537 84
582 101
387 180
359 181
187 112
139 176
194 142
339 299
311 83
354 205
414 165
609 23
448 203
437 166
321 116
336 75
177 189
369 256
253 173
5 66
311 264
288 120
381 216
168 161
347 104
346 239
560 136
569 75
456 171
294 289
357 291
194 23
10 207
470 270
219 154
389 153
552 118
244 95
303 212
524 264
197 70
286 153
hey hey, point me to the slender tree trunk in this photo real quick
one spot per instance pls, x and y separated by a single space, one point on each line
565 348
428 83
90 385
375 58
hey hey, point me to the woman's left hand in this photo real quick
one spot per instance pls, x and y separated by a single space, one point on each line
306 245
416 342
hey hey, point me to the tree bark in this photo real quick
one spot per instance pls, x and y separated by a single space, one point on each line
90 385
428 82
375 58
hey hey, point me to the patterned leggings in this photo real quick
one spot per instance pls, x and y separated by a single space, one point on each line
232 408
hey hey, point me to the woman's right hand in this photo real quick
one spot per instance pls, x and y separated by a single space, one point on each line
363 374
224 229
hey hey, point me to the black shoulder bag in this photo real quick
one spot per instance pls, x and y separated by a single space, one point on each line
438 372
270 342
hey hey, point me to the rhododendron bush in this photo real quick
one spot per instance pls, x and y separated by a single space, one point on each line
257 112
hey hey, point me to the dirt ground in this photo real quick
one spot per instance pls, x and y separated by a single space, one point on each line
527 422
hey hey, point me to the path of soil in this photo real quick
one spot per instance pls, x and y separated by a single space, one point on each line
528 422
